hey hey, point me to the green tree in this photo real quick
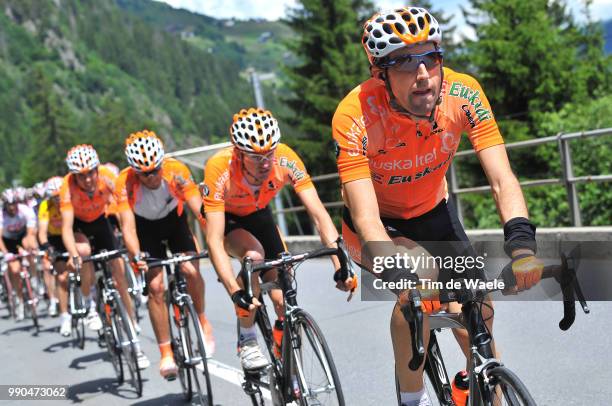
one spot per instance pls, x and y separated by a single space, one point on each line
53 130
111 127
331 62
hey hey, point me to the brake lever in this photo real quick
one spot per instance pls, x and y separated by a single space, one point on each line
346 266
413 314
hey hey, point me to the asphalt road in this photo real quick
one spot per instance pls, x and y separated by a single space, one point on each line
570 368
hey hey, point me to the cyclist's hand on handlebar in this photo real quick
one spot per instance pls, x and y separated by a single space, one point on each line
527 270
72 262
244 301
348 284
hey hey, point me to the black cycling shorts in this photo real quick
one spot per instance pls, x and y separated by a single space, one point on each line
99 232
439 231
171 231
58 244
261 224
11 244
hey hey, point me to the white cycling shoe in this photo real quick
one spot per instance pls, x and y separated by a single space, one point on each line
251 357
92 321
66 325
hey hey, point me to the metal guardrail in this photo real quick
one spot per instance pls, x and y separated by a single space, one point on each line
568 179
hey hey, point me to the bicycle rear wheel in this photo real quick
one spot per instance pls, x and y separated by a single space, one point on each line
194 341
504 389
312 362
127 341
178 349
31 300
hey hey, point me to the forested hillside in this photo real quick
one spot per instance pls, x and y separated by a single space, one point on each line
84 71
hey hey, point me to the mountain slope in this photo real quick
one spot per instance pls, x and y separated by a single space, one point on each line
111 73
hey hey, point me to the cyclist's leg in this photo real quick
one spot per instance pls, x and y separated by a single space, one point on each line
181 240
62 283
239 243
158 312
14 267
87 270
262 227
104 239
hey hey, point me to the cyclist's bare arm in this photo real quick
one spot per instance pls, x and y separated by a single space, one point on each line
504 185
363 205
68 234
2 246
195 204
128 229
29 240
43 226
215 222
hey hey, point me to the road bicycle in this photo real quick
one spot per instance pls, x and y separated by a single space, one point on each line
7 294
305 373
117 331
186 334
490 382
76 303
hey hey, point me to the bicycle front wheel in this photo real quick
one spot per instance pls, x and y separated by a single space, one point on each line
194 341
127 341
31 300
314 368
504 389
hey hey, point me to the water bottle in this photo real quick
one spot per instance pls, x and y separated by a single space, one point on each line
461 386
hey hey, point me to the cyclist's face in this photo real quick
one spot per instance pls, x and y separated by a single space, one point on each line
417 91
258 165
11 209
88 181
151 179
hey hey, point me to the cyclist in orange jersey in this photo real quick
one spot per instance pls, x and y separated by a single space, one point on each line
151 196
85 195
396 135
239 183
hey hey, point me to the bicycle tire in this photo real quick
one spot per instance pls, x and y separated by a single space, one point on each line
78 325
184 374
127 344
111 335
32 301
514 392
306 332
191 318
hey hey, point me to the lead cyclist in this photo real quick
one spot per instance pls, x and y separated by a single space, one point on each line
395 135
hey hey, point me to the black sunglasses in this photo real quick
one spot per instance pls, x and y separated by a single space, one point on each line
152 172
411 63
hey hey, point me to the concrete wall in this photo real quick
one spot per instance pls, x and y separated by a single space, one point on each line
551 241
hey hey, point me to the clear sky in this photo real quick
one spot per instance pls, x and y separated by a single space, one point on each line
274 9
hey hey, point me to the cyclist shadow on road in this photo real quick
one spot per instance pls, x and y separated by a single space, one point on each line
169 399
21 328
62 345
77 363
78 393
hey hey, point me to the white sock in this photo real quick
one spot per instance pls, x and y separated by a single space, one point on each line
247 333
420 398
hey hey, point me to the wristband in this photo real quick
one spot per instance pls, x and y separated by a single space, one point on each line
519 233
45 246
